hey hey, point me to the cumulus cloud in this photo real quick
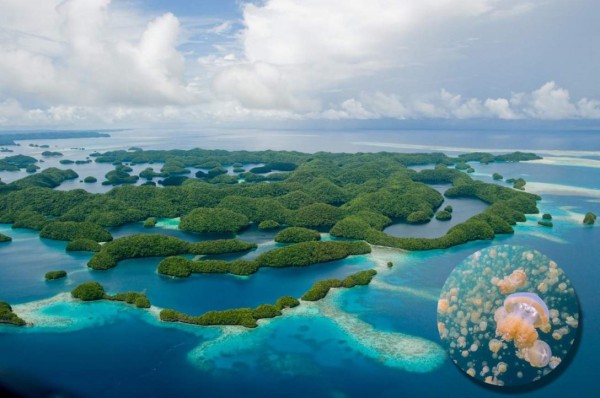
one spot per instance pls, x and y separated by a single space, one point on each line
547 102
82 55
71 62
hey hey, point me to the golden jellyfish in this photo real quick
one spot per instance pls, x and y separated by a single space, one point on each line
501 367
554 362
574 323
529 306
539 354
443 305
542 287
495 345
512 282
523 312
471 372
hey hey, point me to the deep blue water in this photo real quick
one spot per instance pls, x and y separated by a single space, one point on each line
121 351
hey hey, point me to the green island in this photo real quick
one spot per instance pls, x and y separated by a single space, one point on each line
90 180
545 223
296 235
51 154
16 162
298 255
320 289
353 196
52 275
246 317
4 238
497 176
443 215
83 245
206 220
71 230
150 222
181 267
268 224
142 245
93 291
589 218
8 317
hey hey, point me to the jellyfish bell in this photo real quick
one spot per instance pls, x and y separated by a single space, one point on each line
528 306
539 354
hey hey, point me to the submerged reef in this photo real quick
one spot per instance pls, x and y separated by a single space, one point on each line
394 349
508 315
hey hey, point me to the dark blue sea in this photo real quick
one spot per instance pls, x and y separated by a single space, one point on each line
356 343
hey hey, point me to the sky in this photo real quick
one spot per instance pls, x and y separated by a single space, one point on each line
116 63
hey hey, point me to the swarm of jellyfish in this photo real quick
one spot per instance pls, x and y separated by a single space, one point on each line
508 315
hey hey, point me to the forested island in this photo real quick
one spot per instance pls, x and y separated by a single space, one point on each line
354 197
248 316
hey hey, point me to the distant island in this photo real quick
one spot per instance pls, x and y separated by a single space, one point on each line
10 138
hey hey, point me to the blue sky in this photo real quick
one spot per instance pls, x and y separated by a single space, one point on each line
88 63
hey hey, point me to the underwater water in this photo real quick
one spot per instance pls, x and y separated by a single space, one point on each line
508 315
380 340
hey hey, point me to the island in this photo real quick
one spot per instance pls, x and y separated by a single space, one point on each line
589 218
320 289
268 224
4 238
296 235
142 245
351 196
52 275
94 291
8 317
83 245
150 222
51 154
246 317
298 255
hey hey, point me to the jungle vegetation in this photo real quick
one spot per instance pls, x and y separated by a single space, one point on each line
353 196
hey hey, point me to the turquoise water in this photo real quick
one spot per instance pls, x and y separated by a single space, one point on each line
109 349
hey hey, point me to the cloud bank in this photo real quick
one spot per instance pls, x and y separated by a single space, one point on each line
96 62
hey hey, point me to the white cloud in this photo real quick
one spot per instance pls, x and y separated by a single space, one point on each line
100 61
551 102
501 108
82 55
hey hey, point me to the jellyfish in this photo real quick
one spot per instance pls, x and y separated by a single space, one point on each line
539 354
495 345
510 283
522 313
443 305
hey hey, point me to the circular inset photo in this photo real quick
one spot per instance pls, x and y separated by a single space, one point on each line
508 315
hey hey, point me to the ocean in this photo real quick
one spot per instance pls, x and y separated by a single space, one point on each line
379 340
